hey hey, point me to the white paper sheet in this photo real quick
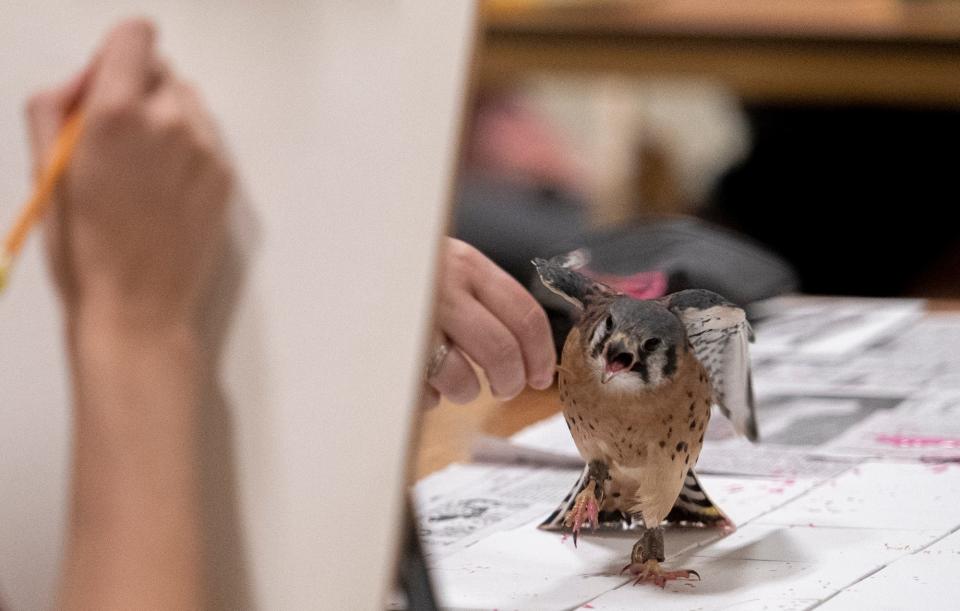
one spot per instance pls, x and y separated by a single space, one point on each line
462 504
924 427
922 355
827 326
487 552
926 579
817 525
819 544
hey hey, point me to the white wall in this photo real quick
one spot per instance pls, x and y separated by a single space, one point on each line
343 119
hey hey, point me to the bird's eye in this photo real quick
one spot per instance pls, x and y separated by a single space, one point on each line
651 344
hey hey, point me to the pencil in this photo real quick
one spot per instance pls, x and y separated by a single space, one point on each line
40 201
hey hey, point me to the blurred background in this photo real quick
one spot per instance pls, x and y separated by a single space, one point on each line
754 147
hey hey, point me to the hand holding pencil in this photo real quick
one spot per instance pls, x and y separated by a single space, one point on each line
40 200
136 214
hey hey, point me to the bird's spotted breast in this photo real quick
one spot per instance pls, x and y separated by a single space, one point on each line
649 439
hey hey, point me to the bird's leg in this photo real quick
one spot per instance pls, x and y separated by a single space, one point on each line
586 507
646 557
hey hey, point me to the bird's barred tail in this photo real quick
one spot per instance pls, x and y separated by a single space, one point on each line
555 520
693 507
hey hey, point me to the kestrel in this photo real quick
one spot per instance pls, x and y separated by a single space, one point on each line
637 381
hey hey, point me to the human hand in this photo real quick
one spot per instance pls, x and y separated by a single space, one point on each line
485 314
138 219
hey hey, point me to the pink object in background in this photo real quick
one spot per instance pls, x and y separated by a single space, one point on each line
510 138
642 285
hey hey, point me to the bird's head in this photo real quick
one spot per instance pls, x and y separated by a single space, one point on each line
635 344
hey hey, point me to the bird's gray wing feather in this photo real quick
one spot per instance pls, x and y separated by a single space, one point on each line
560 275
720 336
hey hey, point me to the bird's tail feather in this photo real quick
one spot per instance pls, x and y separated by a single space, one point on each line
555 520
692 508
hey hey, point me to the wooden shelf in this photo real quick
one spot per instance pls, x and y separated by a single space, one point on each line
859 51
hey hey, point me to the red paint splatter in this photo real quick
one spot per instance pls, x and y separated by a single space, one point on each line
588 606
734 488
776 490
789 482
812 525
563 539
907 441
939 468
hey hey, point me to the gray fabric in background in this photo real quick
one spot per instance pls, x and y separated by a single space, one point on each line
513 223
693 254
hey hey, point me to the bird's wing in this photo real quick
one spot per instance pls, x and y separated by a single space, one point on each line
720 335
560 276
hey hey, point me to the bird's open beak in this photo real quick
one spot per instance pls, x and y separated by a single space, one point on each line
616 358
610 370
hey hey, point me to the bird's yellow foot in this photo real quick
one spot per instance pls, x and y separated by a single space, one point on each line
651 571
586 510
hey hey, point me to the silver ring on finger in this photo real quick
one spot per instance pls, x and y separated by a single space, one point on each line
437 356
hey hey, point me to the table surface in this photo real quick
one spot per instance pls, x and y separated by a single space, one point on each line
447 432
856 51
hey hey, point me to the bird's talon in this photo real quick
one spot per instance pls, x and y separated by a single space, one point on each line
651 571
586 510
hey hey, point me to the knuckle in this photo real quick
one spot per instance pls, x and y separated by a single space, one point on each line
533 325
174 125
503 351
462 255
114 111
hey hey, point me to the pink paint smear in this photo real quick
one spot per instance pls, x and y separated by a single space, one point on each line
906 441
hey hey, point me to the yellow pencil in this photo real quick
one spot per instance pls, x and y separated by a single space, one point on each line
38 203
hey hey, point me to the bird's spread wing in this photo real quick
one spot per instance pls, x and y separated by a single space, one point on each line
560 276
720 335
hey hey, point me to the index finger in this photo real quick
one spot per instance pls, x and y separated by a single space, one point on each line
516 308
125 64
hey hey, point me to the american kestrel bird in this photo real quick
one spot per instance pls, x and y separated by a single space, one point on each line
637 381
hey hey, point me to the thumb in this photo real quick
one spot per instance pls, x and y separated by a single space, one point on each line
48 110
